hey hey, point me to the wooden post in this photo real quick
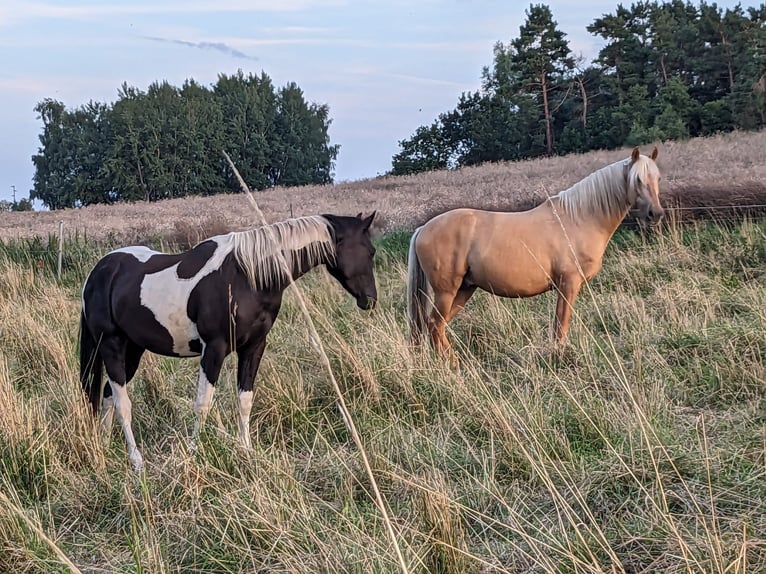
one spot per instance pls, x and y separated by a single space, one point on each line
61 249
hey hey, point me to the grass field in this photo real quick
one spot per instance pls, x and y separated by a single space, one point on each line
641 449
717 171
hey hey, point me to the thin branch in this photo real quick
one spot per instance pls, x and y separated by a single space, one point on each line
317 344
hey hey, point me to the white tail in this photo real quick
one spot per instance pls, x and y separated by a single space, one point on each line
419 293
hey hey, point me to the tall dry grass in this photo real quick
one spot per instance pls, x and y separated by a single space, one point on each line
640 450
721 170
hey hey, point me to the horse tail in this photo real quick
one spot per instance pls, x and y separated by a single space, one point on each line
91 365
419 293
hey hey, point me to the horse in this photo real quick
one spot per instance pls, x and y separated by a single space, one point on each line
558 244
221 296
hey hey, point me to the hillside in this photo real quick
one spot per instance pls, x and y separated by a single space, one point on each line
722 170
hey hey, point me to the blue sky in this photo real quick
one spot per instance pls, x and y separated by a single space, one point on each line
383 67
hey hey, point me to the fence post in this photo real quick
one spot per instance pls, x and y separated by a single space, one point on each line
61 249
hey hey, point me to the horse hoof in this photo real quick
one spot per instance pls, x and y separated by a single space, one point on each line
136 460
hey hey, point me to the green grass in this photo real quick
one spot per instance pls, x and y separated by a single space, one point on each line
641 449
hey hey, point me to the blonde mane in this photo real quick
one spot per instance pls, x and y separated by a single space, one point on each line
256 251
606 191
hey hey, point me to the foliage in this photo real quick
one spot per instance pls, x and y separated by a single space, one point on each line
166 142
668 70
23 204
427 150
542 57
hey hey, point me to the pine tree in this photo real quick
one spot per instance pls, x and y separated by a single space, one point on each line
543 59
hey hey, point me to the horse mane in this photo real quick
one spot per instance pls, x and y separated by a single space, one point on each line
605 192
255 250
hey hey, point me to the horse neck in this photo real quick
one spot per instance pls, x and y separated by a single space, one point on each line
299 245
300 262
303 262
609 224
604 220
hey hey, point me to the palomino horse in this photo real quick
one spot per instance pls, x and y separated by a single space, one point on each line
221 296
557 245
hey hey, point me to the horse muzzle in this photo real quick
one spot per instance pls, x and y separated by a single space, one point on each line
366 303
653 215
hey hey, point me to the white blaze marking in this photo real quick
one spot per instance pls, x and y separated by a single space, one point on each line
167 296
245 406
122 406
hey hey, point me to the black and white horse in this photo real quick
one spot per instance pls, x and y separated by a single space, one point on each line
223 295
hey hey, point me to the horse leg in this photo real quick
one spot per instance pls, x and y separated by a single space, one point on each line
248 361
462 297
568 289
437 322
107 410
113 350
213 354
133 355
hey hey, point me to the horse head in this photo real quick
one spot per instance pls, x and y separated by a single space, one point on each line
644 185
352 265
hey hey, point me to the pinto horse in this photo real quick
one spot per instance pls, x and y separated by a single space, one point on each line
221 296
557 245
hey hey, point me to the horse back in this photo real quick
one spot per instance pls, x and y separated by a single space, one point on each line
115 292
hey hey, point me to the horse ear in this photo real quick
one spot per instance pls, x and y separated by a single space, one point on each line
368 220
654 153
359 215
635 154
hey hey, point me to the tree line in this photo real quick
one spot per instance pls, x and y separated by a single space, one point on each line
166 142
668 70
22 204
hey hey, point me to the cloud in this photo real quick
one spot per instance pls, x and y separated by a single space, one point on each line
413 79
217 46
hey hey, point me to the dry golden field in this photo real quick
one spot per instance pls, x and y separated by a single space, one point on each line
723 170
640 449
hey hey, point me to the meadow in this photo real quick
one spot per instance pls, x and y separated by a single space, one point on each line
698 174
641 449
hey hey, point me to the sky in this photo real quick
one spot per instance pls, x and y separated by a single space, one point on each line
384 67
